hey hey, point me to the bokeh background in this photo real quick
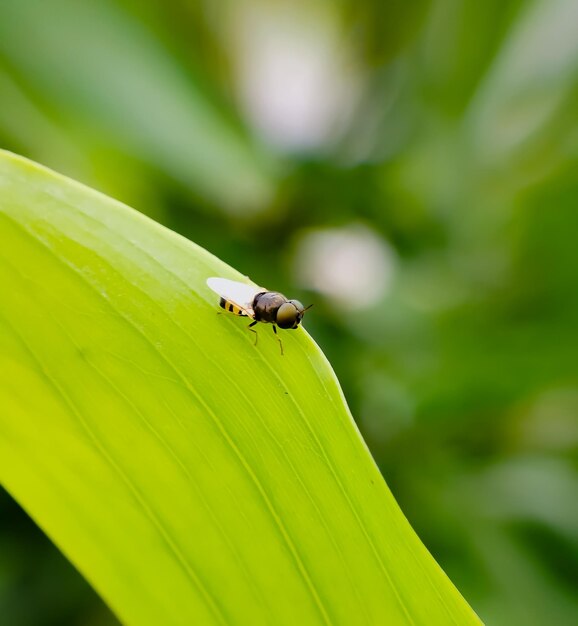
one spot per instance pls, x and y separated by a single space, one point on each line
409 167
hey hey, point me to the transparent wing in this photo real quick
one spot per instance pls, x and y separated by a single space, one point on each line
233 291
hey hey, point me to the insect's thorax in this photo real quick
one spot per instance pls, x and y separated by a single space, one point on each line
266 305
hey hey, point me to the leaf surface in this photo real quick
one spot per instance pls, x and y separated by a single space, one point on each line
191 476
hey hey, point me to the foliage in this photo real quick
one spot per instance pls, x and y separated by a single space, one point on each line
190 476
443 128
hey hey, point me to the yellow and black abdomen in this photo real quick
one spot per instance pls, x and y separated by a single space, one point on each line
233 308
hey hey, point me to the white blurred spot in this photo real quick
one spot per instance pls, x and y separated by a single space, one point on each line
294 84
353 266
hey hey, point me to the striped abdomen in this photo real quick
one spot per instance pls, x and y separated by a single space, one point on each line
232 307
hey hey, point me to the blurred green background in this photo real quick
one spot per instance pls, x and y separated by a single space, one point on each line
409 167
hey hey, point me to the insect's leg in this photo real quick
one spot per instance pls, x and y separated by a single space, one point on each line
279 338
250 327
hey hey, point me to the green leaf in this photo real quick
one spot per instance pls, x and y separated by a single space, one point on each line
191 140
192 477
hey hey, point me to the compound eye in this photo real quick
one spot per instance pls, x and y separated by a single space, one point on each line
286 315
297 305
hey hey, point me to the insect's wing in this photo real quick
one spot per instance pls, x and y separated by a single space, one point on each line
240 294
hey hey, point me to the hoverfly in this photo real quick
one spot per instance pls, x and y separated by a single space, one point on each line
259 304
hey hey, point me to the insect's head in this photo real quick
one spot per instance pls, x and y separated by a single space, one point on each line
290 314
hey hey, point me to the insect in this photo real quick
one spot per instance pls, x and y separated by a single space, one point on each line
259 304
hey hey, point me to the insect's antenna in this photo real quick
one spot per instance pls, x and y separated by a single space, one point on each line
307 308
